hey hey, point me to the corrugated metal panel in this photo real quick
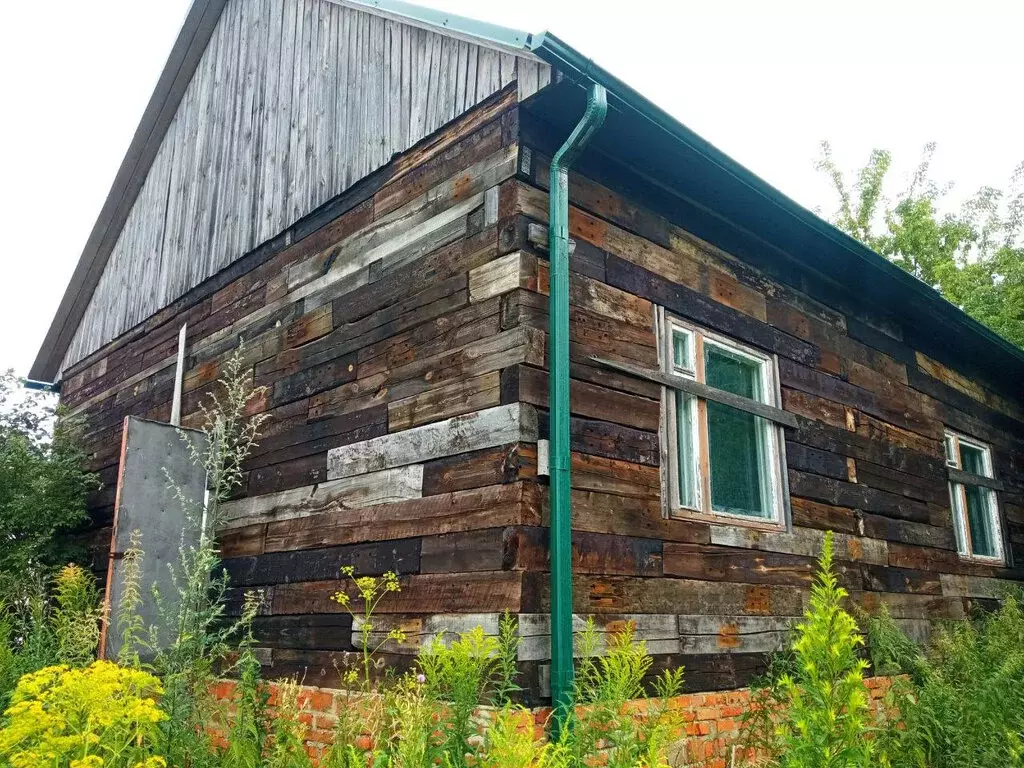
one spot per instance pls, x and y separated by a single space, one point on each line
292 102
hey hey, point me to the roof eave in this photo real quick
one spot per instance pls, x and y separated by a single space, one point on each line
572 64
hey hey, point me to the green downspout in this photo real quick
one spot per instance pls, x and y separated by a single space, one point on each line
559 461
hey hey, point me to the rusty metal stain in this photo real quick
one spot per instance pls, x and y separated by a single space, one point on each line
855 549
729 635
460 186
618 626
758 601
603 595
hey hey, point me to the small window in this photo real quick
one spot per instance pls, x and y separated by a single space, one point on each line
975 512
723 462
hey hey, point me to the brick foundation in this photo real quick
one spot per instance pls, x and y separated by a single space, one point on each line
712 719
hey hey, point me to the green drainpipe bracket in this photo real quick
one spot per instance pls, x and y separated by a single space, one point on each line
561 480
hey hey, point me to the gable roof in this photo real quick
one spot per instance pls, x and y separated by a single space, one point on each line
188 48
728 204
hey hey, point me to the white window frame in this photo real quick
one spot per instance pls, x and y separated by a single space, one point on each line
774 459
958 499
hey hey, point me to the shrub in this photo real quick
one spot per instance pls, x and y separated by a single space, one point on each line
76 616
603 716
816 714
513 741
962 703
48 627
461 674
100 716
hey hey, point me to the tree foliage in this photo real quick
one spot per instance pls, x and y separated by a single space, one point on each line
973 256
43 485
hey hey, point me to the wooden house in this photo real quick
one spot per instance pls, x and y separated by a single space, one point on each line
356 192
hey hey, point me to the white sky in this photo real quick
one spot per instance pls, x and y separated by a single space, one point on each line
765 82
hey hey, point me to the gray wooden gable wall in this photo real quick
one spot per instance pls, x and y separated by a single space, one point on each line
292 102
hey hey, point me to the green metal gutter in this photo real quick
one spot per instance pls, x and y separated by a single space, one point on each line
576 67
560 469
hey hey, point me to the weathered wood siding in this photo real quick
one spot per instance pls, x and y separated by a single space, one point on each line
407 390
292 103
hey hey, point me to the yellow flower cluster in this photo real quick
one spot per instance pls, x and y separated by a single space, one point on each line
100 716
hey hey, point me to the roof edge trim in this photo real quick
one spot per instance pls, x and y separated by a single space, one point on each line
568 60
510 40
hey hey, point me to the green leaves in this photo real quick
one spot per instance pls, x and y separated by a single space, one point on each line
961 706
974 256
42 483
816 714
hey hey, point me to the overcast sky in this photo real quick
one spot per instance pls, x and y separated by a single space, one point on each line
765 82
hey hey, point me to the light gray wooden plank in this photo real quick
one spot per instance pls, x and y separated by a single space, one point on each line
956 585
368 490
734 634
495 277
802 541
483 429
659 632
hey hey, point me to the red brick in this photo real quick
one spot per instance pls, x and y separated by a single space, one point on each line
727 725
321 701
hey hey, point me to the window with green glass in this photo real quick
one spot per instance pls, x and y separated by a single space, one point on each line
975 511
724 461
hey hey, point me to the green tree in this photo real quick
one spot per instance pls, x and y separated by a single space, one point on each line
43 484
973 256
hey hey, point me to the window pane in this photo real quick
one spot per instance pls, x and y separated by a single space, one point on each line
972 459
686 418
682 354
737 441
738 444
979 518
958 518
733 373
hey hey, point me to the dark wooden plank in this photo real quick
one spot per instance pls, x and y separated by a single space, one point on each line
695 561
867 334
310 381
614 441
486 591
861 497
493 506
464 552
591 401
907 411
629 516
881 578
817 462
330 632
402 556
703 310
490 466
289 474
591 553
